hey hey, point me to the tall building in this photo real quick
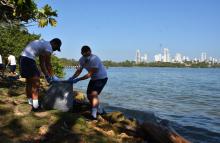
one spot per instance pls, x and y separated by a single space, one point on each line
158 58
166 55
210 59
138 57
213 60
178 58
203 57
187 59
145 58
195 60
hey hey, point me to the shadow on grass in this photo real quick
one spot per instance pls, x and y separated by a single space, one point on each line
62 131
12 131
4 111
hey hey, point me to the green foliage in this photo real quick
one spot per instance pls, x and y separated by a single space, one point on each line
15 12
126 63
14 39
45 16
68 62
200 65
57 66
159 64
162 64
216 65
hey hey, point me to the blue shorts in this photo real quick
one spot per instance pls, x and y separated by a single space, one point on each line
28 67
2 66
96 85
12 68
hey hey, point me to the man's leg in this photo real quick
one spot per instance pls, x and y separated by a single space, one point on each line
14 68
94 101
35 90
29 90
2 70
93 90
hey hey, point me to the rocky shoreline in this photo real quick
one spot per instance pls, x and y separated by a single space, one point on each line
19 124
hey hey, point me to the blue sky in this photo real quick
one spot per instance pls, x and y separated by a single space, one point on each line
115 29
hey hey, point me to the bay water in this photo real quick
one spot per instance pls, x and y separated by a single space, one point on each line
189 98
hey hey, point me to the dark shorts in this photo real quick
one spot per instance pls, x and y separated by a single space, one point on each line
28 67
2 66
96 85
12 68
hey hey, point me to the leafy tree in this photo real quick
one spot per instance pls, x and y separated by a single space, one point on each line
14 16
68 62
57 66
14 39
16 12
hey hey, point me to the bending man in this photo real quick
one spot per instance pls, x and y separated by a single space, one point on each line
28 68
97 73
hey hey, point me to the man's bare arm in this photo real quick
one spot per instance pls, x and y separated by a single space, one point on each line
45 64
48 64
42 65
89 74
77 73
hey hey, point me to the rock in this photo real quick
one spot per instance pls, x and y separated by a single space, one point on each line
101 119
41 114
131 123
120 128
114 117
43 130
160 133
123 135
110 133
79 97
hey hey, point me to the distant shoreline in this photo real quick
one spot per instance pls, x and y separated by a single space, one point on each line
69 67
108 63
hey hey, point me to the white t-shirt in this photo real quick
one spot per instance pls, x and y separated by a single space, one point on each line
0 59
93 62
11 60
36 48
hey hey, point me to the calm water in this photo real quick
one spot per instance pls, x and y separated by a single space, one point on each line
188 98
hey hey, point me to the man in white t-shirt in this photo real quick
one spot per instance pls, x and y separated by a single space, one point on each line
98 75
2 66
12 63
29 70
1 60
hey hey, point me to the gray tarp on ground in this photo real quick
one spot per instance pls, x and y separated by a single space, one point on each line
59 96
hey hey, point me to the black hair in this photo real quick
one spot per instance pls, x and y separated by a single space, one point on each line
85 49
57 41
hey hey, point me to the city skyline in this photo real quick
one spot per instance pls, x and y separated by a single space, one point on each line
115 29
178 57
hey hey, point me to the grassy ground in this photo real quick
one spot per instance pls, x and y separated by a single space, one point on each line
19 124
